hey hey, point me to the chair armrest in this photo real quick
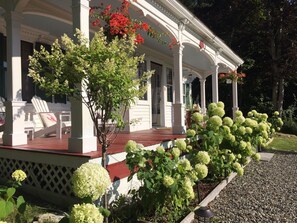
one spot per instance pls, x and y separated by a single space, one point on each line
63 114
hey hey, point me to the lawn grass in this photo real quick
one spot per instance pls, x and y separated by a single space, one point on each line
284 142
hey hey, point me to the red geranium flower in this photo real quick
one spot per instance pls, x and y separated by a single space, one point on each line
139 39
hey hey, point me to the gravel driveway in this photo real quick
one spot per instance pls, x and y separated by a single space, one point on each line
267 192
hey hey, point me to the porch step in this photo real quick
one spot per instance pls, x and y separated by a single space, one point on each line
118 171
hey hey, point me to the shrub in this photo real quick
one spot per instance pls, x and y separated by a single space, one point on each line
229 143
167 180
89 182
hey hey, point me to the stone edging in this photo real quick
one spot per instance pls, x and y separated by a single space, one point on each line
210 197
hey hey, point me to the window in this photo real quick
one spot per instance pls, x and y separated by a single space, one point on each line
141 69
27 82
169 77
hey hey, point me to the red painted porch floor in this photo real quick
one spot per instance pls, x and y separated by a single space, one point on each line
118 170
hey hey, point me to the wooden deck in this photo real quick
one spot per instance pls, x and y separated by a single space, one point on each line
60 146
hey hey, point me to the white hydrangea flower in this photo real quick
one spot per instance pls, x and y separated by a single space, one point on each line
188 188
85 213
241 130
215 121
131 146
197 117
181 144
238 113
201 171
218 111
90 180
257 156
191 133
176 152
168 181
240 119
19 175
203 157
160 149
228 121
185 164
221 104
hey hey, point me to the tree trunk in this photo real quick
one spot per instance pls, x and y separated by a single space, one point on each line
104 164
275 93
281 93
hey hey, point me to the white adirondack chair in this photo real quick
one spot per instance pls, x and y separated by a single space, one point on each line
53 122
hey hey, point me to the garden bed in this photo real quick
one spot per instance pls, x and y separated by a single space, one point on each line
210 191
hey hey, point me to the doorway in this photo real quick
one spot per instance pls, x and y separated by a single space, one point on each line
156 94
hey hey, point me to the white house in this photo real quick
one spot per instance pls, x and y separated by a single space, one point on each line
26 24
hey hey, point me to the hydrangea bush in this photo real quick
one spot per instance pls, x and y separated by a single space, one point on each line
167 179
229 142
90 180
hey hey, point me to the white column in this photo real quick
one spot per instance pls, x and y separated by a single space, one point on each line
179 126
215 84
203 97
149 92
235 97
82 128
14 114
163 97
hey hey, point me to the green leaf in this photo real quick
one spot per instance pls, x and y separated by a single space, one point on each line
104 211
20 201
21 204
87 200
6 208
10 192
2 209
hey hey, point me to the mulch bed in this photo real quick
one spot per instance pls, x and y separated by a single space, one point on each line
202 189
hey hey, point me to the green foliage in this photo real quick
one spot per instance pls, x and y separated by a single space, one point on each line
106 70
263 34
101 73
229 142
289 118
167 181
10 206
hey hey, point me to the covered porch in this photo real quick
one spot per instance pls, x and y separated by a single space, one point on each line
194 51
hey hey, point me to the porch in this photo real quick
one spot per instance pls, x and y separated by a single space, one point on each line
49 165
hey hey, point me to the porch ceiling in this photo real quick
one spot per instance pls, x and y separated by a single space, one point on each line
53 17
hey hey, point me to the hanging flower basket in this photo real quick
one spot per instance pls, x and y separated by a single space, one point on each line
232 76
